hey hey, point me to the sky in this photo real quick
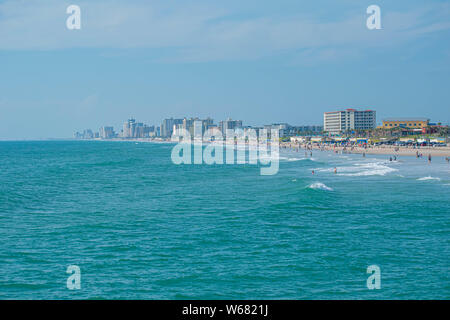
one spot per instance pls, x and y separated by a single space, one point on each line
260 61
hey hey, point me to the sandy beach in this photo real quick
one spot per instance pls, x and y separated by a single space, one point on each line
384 150
403 151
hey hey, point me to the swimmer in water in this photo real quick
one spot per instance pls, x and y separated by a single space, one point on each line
429 157
313 172
335 170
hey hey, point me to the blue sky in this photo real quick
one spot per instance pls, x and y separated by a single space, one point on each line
259 61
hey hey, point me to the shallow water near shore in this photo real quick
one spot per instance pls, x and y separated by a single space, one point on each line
141 227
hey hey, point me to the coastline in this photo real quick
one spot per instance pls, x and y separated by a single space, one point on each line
374 150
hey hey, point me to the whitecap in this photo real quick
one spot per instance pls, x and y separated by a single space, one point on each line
428 178
366 169
295 159
319 186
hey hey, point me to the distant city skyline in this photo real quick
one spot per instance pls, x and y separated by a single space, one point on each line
260 62
133 128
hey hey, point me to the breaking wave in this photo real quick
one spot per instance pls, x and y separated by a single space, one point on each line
428 178
319 186
366 169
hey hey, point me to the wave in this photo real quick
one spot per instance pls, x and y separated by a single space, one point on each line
428 178
319 186
282 158
366 169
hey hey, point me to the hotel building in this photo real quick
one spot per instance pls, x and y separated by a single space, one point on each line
349 119
410 123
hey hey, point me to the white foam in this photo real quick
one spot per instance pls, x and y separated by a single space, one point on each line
288 158
366 169
319 186
428 178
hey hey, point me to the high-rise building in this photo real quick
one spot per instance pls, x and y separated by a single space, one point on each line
167 127
88 134
106 132
229 124
129 129
349 119
190 123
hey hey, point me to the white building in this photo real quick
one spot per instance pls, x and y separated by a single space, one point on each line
349 119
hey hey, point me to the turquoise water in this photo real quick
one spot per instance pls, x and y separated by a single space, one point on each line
140 227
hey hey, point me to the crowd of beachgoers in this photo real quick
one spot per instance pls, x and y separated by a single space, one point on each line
422 151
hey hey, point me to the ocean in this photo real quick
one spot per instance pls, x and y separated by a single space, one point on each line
140 227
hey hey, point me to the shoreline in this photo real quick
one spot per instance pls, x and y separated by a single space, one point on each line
378 150
388 150
370 150
406 152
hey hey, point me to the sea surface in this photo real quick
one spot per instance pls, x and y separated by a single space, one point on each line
141 227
